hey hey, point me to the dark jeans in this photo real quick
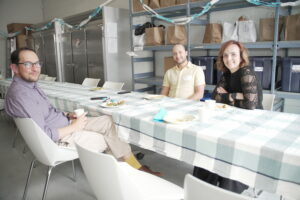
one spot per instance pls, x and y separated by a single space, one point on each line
214 179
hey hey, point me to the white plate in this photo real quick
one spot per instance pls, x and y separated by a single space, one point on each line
106 105
222 106
179 118
154 96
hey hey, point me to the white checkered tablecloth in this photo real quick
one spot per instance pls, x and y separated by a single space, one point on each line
259 148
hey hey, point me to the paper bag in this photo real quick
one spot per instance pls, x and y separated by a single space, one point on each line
267 28
167 3
229 32
154 4
247 31
137 6
169 63
154 36
292 27
138 40
213 33
176 34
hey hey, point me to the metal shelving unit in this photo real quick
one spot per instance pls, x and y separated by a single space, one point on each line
196 7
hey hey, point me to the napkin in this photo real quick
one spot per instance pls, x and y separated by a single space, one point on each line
159 117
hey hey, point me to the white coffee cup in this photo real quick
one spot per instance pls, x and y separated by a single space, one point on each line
210 104
203 114
79 112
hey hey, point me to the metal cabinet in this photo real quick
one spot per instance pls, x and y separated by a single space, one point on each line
82 54
94 53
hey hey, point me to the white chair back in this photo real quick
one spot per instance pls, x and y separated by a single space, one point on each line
41 145
268 101
196 189
2 104
49 78
113 85
90 82
114 180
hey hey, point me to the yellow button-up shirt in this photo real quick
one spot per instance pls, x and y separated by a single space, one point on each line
182 83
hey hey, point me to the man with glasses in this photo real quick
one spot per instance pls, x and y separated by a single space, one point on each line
25 99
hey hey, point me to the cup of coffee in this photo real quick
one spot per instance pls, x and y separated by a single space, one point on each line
203 114
79 112
210 104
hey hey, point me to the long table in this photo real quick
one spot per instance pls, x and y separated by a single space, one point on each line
259 148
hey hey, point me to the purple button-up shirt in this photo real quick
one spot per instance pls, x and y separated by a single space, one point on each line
26 100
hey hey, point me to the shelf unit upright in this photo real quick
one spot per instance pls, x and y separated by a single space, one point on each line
196 7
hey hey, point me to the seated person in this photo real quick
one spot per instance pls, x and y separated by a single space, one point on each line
237 87
185 80
25 99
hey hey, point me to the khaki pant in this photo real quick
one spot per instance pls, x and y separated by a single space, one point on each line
107 140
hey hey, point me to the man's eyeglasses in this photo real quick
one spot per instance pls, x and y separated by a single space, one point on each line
30 64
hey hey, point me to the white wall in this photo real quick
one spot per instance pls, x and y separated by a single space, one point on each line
37 11
64 8
16 11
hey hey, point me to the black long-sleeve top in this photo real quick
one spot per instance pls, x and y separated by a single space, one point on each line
242 81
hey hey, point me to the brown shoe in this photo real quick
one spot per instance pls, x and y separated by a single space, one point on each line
145 168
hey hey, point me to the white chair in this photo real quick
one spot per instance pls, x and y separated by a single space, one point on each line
42 76
113 180
49 78
44 149
90 82
113 85
2 111
268 101
196 189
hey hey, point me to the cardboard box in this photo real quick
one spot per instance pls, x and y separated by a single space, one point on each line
15 27
21 41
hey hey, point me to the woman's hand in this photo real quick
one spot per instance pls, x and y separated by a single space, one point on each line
221 90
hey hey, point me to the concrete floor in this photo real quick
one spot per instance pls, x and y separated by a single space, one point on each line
15 165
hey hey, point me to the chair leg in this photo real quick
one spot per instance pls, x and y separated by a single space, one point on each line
28 179
74 171
47 181
15 138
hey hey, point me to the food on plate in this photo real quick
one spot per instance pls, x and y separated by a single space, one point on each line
179 118
185 118
115 103
95 89
154 96
221 105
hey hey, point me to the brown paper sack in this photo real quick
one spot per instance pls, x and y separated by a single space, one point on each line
176 34
167 3
169 63
137 6
154 36
154 4
292 27
213 33
266 29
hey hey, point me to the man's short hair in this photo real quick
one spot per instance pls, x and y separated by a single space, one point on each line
180 45
15 56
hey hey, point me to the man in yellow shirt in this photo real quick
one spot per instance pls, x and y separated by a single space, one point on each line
184 80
